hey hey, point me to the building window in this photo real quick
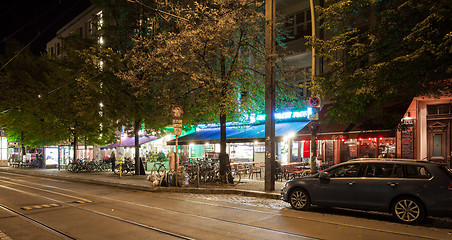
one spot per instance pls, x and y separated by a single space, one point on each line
439 109
51 51
90 27
298 25
58 49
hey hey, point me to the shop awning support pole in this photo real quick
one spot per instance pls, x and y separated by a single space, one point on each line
270 55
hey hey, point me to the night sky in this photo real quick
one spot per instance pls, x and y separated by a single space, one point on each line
24 20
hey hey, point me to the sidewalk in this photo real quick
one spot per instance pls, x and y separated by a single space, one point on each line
247 187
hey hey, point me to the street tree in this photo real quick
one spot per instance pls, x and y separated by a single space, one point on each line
122 21
381 52
210 62
51 100
22 81
76 94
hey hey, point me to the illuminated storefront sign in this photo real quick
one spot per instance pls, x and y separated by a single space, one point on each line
260 118
288 115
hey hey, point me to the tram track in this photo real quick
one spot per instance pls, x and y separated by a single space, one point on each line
40 224
235 208
152 207
9 209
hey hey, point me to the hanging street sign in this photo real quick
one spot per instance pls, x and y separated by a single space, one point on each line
177 131
314 126
314 101
177 123
314 117
13 144
177 112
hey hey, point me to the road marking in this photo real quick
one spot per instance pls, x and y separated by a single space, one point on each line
39 207
3 236
82 201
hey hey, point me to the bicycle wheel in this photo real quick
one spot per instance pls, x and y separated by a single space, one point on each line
90 167
161 171
235 179
70 167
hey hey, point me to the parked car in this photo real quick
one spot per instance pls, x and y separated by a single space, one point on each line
409 189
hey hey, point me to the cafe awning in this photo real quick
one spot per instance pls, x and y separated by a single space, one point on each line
386 127
239 134
130 142
202 136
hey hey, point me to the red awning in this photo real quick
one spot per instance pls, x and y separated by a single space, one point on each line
330 131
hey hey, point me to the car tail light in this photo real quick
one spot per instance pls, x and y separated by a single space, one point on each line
450 187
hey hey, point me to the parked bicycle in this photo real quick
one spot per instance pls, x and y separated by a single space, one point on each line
158 169
82 165
127 166
208 171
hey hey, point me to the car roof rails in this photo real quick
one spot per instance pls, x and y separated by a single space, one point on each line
390 159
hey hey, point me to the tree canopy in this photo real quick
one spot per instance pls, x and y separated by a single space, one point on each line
51 100
380 52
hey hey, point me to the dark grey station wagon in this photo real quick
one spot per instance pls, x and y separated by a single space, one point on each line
409 189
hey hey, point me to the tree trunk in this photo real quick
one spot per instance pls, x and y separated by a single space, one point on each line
224 159
75 147
270 51
138 166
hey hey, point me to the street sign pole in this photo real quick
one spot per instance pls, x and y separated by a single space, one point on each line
177 113
314 126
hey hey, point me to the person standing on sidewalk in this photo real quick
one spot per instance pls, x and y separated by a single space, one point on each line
113 161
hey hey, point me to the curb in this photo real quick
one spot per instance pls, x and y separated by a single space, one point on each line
194 190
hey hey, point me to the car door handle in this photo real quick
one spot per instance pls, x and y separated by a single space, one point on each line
392 184
350 183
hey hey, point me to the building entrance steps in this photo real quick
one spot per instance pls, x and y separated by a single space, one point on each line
247 187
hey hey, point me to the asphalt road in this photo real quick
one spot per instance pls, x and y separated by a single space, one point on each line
38 208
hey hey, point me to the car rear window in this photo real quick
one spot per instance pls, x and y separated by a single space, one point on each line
448 171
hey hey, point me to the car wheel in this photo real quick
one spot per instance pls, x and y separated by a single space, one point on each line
408 210
299 199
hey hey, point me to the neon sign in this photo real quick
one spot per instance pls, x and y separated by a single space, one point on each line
288 115
259 118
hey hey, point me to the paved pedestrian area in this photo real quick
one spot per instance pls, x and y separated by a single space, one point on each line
248 187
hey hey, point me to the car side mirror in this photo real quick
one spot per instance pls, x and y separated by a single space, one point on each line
324 176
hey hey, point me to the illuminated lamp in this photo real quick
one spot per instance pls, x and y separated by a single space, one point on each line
360 139
342 140
370 139
381 138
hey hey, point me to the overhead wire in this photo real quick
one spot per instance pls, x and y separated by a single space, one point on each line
157 10
39 33
11 8
53 90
